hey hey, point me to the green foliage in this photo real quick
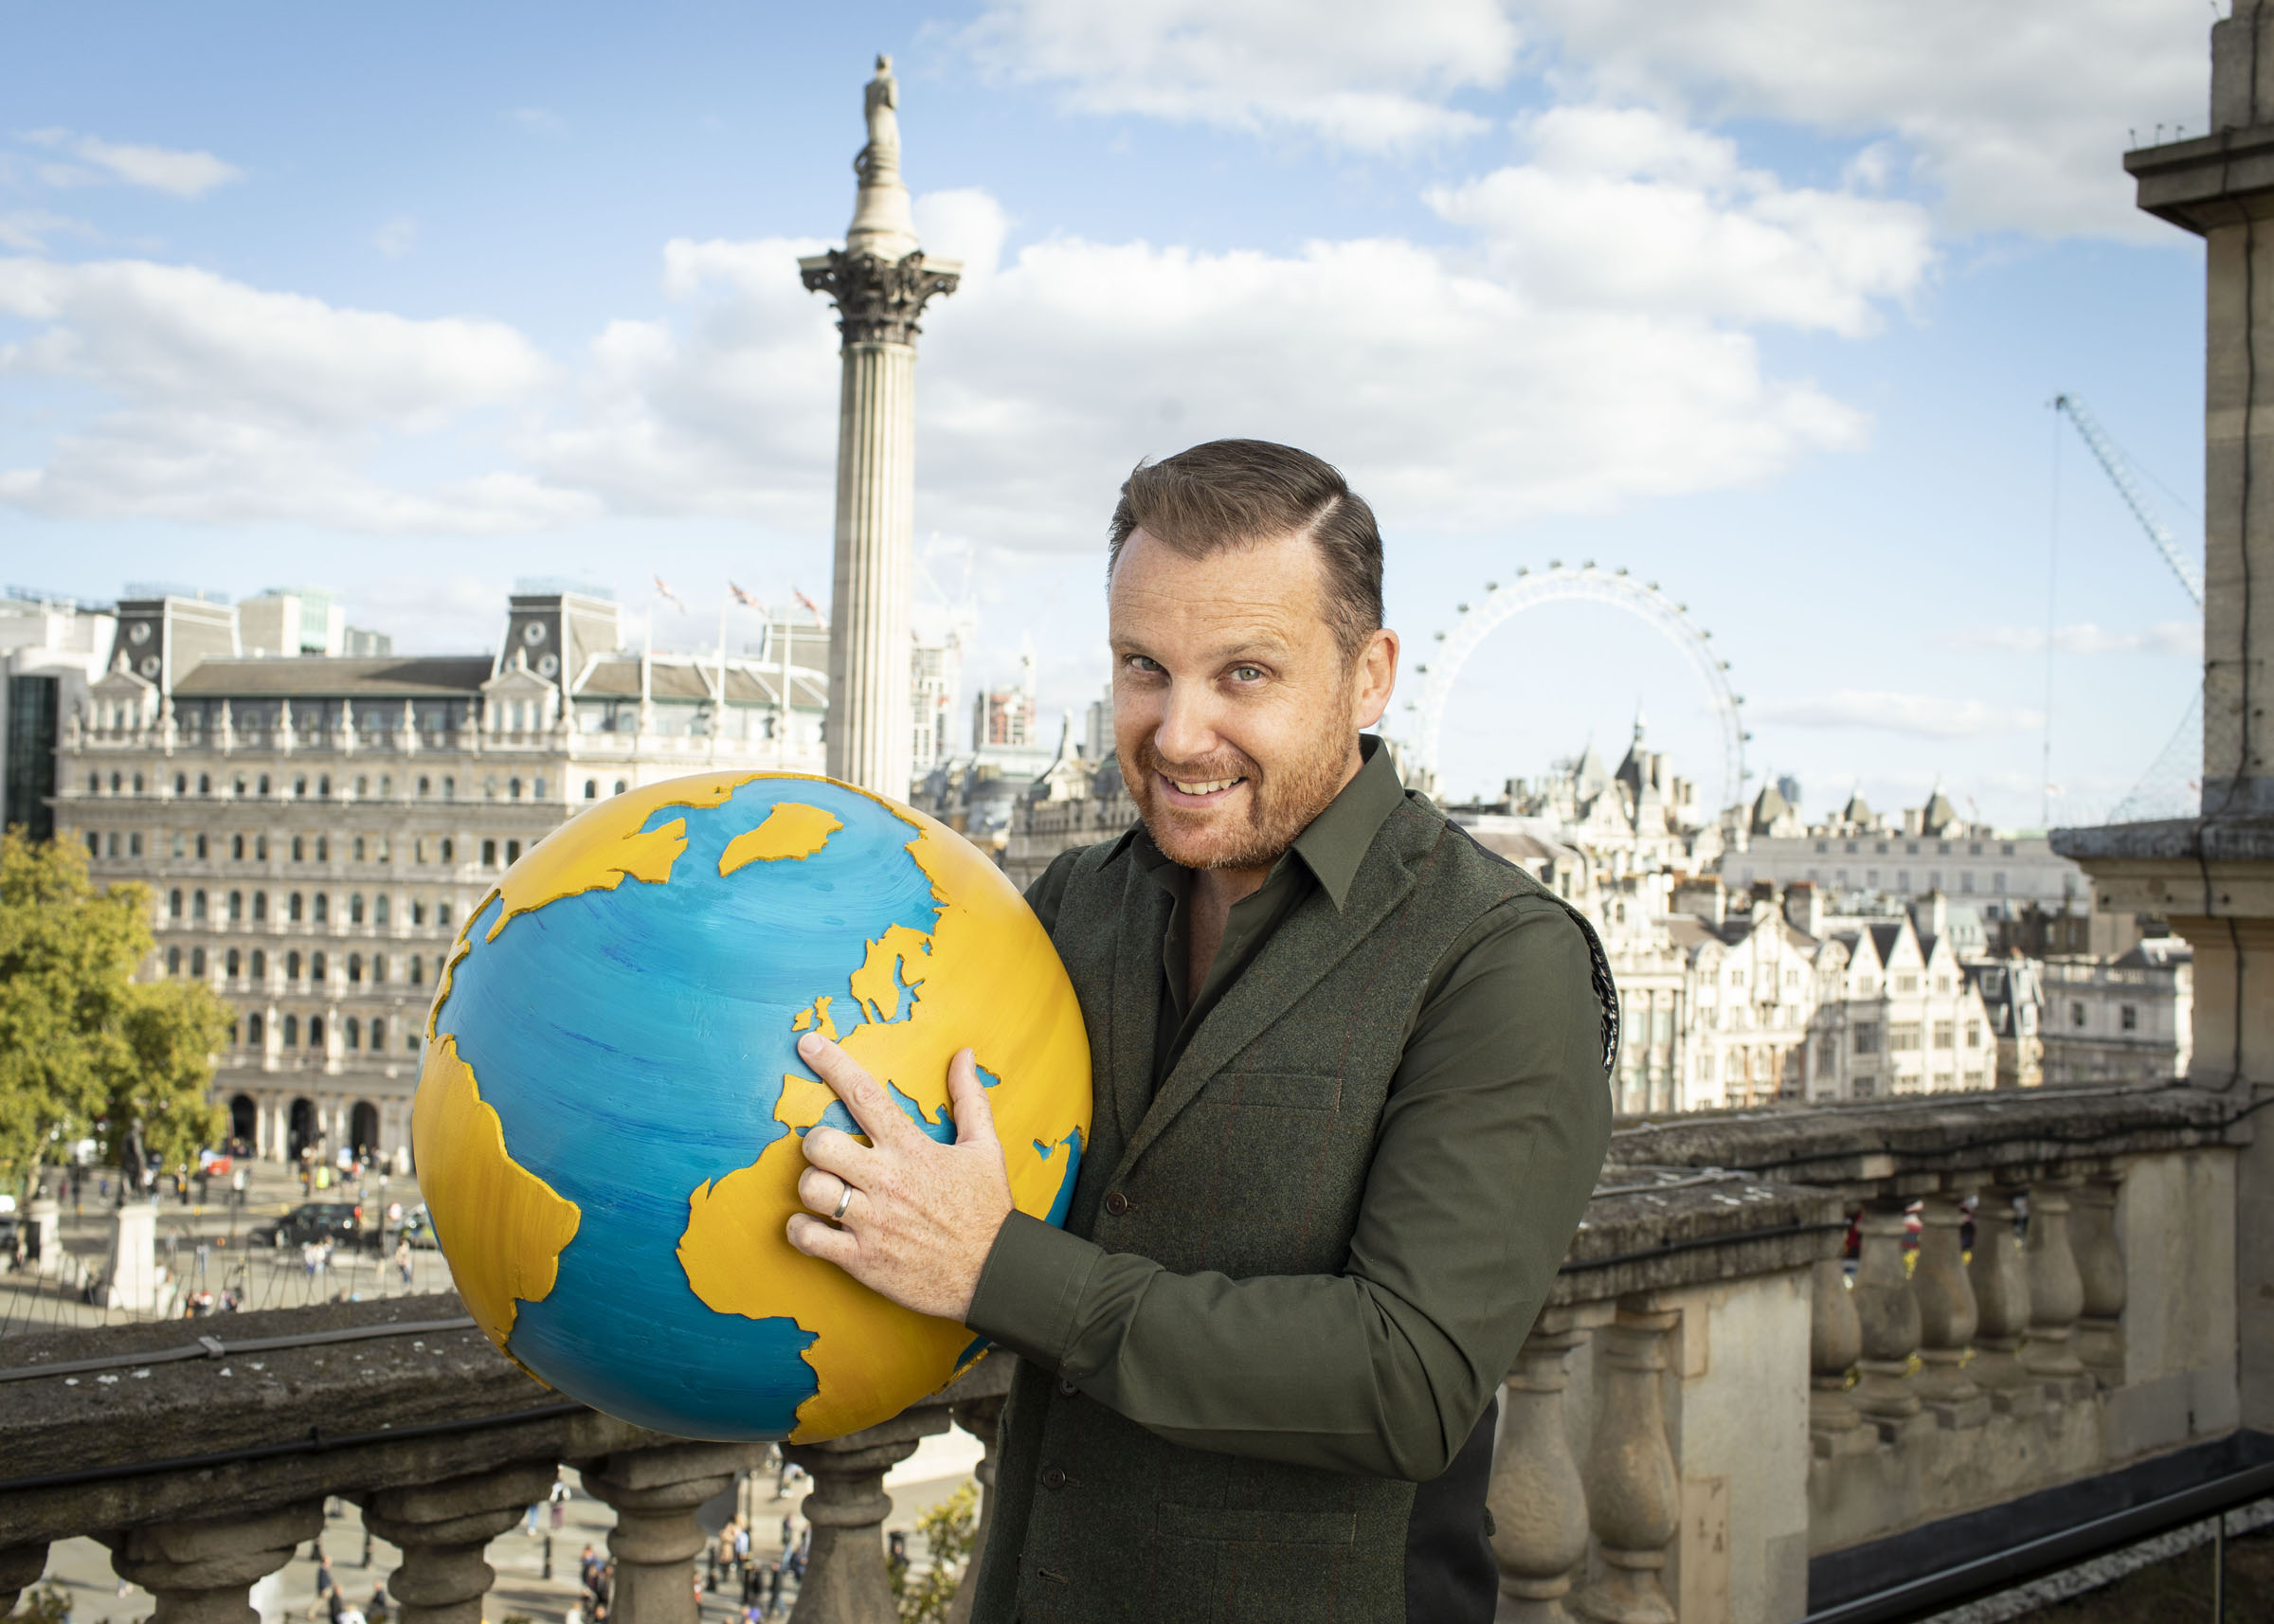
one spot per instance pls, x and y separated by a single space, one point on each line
84 1050
947 1531
49 1604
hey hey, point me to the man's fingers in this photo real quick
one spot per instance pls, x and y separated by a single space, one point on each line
841 1153
879 1118
974 1112
815 1238
821 1192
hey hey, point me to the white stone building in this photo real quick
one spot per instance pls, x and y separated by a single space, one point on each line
1929 848
315 829
52 650
2126 1020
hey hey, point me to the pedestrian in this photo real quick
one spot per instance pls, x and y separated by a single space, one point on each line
587 1569
326 1588
367 1546
773 1587
559 1497
403 1266
376 1609
529 1523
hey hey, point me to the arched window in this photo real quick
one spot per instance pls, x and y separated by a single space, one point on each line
378 1032
323 848
378 967
446 850
174 903
181 784
292 908
620 786
513 788
315 968
197 906
322 908
174 960
449 789
134 843
94 844
205 784
197 961
137 783
591 789
355 909
418 910
292 965
315 1032
363 786
417 973
386 786
260 848
422 787
292 1031
512 852
379 908
253 1028
323 786
94 783
354 969
262 786
115 783
111 842
300 786
231 965
353 1032
200 848
260 964
489 852
441 914
237 848
355 851
259 907
299 849
236 906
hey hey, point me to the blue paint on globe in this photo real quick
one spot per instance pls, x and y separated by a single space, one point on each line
633 1043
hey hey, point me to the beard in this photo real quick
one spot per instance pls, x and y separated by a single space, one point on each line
1281 802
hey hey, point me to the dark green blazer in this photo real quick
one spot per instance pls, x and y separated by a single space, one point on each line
1293 1278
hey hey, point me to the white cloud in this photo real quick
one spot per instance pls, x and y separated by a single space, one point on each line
537 121
2016 113
1624 207
188 174
1914 715
1354 73
2164 636
229 403
29 230
396 237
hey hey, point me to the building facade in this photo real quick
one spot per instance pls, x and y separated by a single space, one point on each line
314 830
1926 848
2130 1019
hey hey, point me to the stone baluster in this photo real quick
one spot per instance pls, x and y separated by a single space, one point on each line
653 1493
1633 1495
202 1569
2100 1265
442 1528
1946 1315
983 1419
2056 1289
1538 1502
846 1579
2001 1296
1835 1340
1888 1314
20 1569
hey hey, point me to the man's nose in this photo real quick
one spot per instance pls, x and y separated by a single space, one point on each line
1187 731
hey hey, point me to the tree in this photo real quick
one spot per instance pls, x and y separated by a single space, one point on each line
84 1050
948 1530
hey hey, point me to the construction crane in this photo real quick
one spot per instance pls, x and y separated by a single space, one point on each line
2118 469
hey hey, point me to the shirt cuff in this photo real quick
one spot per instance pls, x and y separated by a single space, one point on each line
1029 1287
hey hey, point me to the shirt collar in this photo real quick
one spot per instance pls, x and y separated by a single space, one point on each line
1335 842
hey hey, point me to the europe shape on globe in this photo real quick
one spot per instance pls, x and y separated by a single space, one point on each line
608 1120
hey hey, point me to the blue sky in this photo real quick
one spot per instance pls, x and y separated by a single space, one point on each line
1761 300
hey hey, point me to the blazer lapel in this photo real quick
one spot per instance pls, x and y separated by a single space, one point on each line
1309 943
1135 1011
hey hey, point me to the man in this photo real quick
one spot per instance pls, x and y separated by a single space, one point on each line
1351 1099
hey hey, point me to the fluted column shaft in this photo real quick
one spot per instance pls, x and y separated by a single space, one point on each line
870 727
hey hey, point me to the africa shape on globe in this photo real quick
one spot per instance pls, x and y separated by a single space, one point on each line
607 1123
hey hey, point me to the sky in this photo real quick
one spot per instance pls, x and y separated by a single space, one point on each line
1761 300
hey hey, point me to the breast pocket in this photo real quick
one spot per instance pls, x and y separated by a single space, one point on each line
1276 1091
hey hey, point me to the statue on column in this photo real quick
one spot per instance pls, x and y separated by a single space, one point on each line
879 163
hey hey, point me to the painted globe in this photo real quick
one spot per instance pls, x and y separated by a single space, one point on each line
609 1118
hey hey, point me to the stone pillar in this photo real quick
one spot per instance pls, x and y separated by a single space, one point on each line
2056 1289
1946 1315
202 1569
46 1237
20 1569
1634 1499
442 1529
880 282
845 1581
1538 1502
2001 1295
133 1270
2099 1340
983 1419
1888 1314
1835 1340
655 1494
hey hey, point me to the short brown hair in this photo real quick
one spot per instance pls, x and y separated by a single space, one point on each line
1233 493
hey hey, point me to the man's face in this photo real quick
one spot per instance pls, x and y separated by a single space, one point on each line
1235 715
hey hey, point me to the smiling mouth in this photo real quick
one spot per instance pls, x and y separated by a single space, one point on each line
1204 787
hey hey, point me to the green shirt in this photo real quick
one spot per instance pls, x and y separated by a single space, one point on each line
1495 1129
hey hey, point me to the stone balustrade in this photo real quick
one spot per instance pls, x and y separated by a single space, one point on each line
1712 1414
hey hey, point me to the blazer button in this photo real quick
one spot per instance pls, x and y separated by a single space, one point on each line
1053 1478
1067 1388
1118 1203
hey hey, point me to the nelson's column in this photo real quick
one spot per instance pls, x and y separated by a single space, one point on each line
880 282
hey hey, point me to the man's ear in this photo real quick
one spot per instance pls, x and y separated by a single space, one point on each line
1376 677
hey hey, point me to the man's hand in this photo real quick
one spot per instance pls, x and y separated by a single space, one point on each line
921 1217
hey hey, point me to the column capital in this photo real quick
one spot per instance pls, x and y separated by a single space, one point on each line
879 301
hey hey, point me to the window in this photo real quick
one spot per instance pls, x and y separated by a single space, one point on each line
260 964
259 907
205 784
418 971
2127 1017
355 909
1791 978
1907 983
356 851
260 848
197 961
410 1040
323 849
181 784
1997 882
315 1032
378 1032
620 786
379 908
1705 1066
1946 1033
418 910
174 960
197 906
363 786
94 844
292 1031
1903 879
591 789
292 965
1903 1035
1943 983
441 914
315 968
137 783
299 849
300 786
293 908
446 851
323 786
134 843
513 855
252 1028
514 787
1973 1035
174 904
237 848
237 786
422 788
1866 1037
488 854
2076 1015
180 845
94 783
236 905
200 848
232 964
378 967
449 789
386 786
262 786
354 969
323 908
353 1032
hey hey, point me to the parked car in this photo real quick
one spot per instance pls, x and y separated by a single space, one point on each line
417 1227
338 1222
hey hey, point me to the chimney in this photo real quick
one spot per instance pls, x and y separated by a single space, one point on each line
1804 908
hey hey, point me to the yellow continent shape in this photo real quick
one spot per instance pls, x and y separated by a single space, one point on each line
987 984
504 1226
790 830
